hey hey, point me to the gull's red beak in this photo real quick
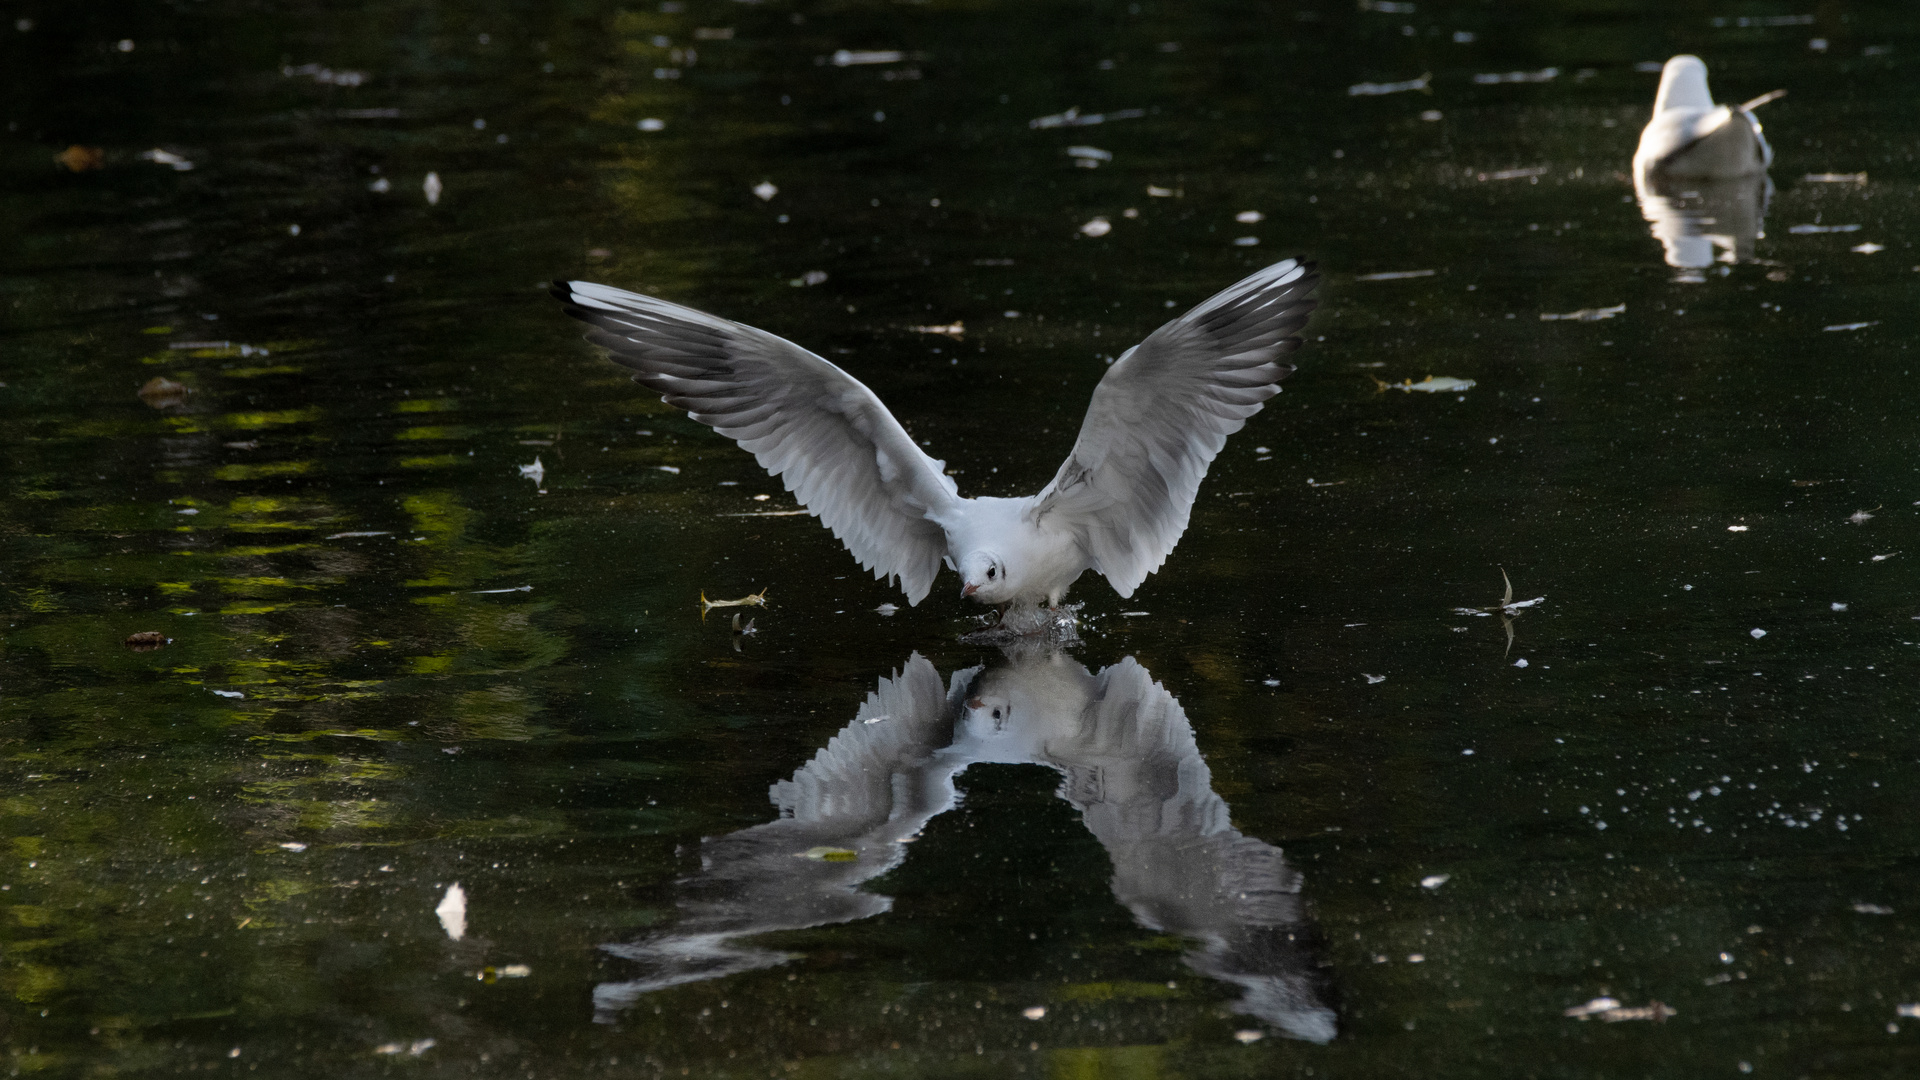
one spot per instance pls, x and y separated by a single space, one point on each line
968 590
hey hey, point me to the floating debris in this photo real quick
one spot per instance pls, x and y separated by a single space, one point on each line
1075 118
1432 384
1737 528
887 609
956 329
432 187
491 974
674 469
1515 174
1590 314
1543 75
1246 241
1835 178
1248 1036
765 190
147 641
1372 89
1867 248
535 472
1861 517
1884 558
79 158
1756 633
163 393
1098 227
326 76
878 719
1089 157
651 123
1034 1012
1809 230
858 57
294 846
491 592
1845 326
1873 909
830 854
411 1049
1907 1010
1611 1011
1372 679
1154 191
758 599
1249 217
350 535
1434 881
811 277
229 693
1395 275
452 912
161 157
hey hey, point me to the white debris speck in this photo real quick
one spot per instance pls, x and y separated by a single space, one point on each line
652 123
1851 325
1248 1036
1757 633
1467 752
1867 248
1034 1012
380 186
432 187
1522 662
887 609
411 1049
765 190
1860 517
535 472
230 693
1246 241
293 845
452 912
1416 958
161 157
1249 217
1099 226
1434 881
1907 1010
1597 1005
1371 679
854 57
674 469
1838 606
1736 528
1584 314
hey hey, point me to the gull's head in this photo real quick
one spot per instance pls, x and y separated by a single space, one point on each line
983 576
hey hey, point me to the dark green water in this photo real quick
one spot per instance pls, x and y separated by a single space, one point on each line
225 855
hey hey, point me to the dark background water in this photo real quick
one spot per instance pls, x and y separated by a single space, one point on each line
199 882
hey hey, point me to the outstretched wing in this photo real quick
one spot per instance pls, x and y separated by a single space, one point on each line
1162 413
819 429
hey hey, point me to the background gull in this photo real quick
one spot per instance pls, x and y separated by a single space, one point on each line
1117 506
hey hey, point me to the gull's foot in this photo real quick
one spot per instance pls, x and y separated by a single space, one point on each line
1038 624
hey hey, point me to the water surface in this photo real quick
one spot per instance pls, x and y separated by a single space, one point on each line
396 664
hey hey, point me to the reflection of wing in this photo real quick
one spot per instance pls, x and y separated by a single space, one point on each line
821 430
873 785
1161 414
1136 774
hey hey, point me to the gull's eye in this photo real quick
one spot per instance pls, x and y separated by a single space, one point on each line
996 714
990 572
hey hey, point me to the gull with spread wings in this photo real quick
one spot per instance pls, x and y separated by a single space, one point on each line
1117 506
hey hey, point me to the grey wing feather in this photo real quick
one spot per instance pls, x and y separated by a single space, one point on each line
1161 414
819 429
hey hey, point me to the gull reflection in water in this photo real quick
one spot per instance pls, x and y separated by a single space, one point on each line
1128 762
1700 172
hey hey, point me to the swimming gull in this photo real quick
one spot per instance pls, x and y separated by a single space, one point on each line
1691 137
1117 506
